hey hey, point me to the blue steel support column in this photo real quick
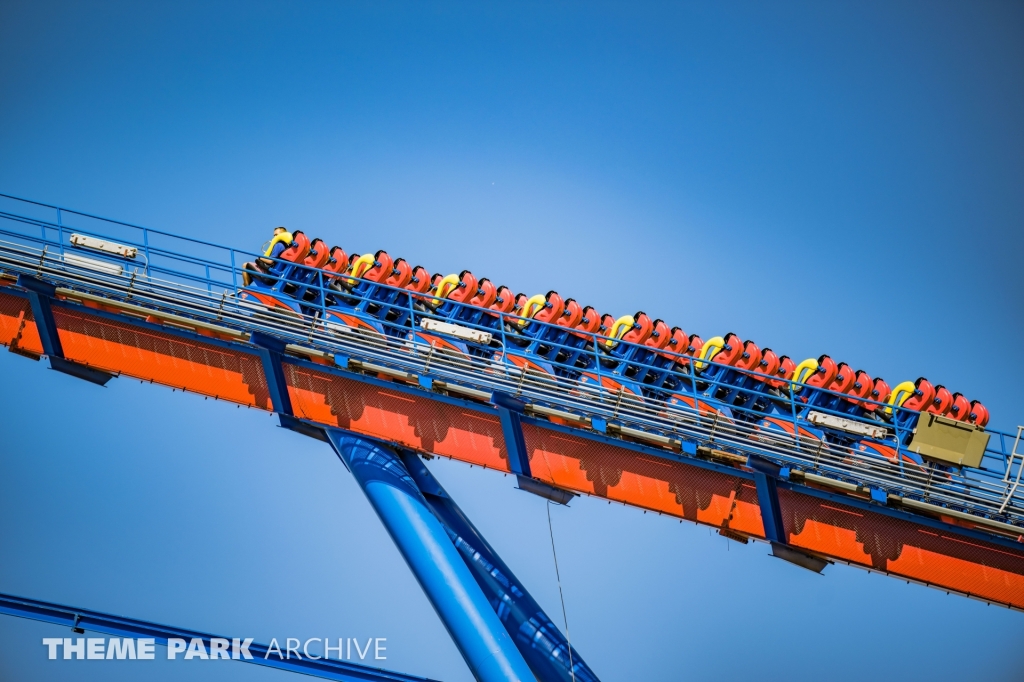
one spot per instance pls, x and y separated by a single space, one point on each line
40 294
765 474
543 646
270 351
474 627
509 411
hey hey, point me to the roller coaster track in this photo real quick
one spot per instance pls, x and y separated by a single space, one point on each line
172 316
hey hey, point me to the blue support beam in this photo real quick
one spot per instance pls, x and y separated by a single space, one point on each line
40 296
270 350
81 620
545 649
510 411
480 636
766 473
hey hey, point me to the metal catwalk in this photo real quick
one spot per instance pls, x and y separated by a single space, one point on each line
378 369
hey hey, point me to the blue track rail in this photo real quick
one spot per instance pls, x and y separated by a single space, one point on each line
199 282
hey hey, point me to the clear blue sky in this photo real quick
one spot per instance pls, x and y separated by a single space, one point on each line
819 177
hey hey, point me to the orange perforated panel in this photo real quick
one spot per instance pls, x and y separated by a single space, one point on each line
123 348
12 313
17 327
904 548
946 559
643 480
391 415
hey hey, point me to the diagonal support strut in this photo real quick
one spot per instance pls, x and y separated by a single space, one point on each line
40 296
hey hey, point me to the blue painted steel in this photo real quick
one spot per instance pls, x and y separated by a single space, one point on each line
40 295
509 410
119 626
270 351
545 649
765 473
689 448
212 268
473 625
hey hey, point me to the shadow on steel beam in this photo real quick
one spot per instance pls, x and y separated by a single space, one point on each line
793 556
94 376
545 490
305 428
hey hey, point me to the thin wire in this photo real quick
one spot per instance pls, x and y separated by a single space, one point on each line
561 596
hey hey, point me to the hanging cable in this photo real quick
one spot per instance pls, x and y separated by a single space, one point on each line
558 577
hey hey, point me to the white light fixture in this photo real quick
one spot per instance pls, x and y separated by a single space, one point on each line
834 422
459 332
92 264
86 242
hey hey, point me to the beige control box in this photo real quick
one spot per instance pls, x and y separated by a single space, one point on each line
949 441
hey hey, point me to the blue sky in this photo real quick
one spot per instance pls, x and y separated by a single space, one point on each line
840 177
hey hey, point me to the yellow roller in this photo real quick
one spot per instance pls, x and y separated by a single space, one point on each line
899 395
708 352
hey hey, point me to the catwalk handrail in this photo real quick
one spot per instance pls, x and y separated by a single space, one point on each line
989 491
641 415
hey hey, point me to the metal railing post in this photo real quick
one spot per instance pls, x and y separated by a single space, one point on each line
60 233
145 246
792 405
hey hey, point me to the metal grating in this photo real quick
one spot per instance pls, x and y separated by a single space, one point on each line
654 483
151 355
17 328
394 416
904 548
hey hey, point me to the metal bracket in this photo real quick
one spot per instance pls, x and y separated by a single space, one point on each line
766 473
787 553
545 490
40 296
303 427
509 412
270 350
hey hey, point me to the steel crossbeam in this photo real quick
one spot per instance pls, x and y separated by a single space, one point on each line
40 295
